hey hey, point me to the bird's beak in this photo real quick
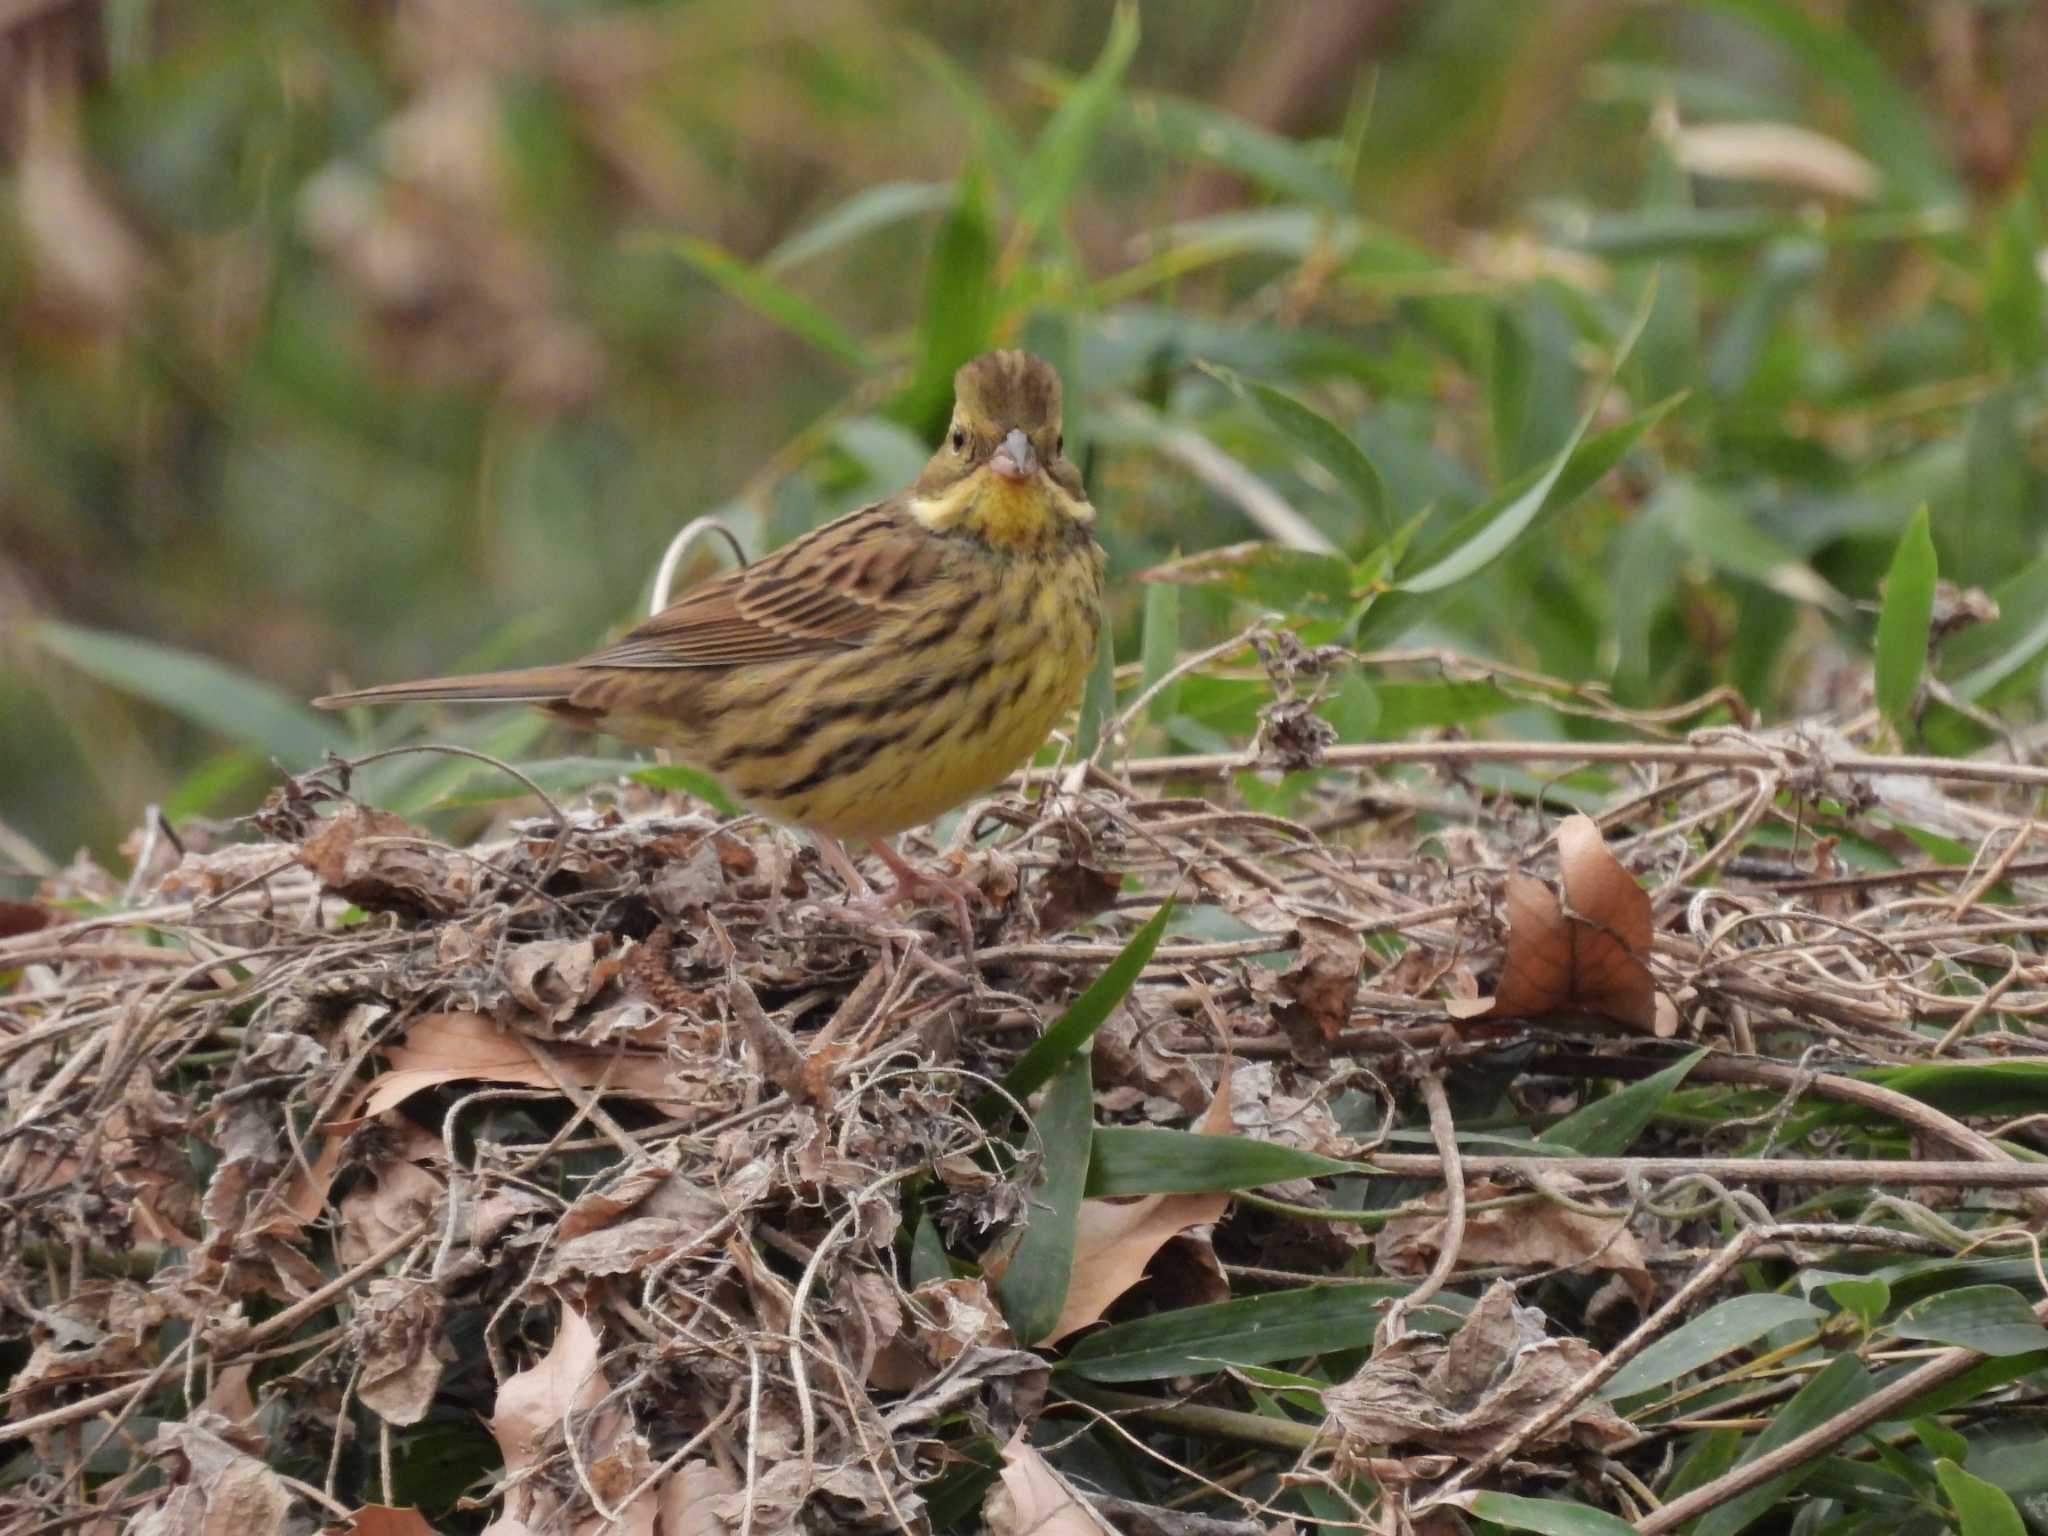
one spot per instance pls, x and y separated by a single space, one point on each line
1015 459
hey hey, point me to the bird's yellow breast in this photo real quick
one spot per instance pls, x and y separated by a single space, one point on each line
935 708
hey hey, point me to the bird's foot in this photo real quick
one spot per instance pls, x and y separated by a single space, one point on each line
912 884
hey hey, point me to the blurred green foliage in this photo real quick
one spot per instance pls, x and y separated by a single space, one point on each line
348 342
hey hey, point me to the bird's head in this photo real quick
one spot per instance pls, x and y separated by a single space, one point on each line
1002 469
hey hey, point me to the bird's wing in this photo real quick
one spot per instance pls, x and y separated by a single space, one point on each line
823 592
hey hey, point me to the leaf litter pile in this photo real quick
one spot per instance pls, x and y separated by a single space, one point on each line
1426 1157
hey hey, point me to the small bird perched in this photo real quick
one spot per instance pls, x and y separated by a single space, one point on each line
882 669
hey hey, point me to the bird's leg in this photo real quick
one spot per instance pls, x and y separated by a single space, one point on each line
912 882
834 854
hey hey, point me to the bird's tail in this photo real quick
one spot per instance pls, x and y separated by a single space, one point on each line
528 685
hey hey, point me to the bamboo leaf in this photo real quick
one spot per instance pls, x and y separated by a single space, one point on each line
1904 622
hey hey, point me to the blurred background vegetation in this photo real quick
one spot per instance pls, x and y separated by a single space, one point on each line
344 341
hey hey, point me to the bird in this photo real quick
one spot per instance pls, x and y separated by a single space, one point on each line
883 668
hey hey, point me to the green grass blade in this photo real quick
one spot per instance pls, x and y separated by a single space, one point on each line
1033 1288
198 688
1738 1321
1903 623
1509 515
1148 1160
780 303
870 209
1547 1517
1609 1125
1982 1509
1098 695
1250 1330
1072 1031
1325 442
1835 1390
1063 144
1992 1319
1159 647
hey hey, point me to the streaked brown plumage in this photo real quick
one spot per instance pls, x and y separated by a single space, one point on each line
879 670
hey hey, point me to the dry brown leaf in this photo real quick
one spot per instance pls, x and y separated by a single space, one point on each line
552 979
531 1403
397 1329
1531 1234
384 1520
1030 1498
399 1194
379 861
1322 983
949 1317
687 1498
454 1047
1460 1396
19 917
1585 952
1115 1239
216 1489
1073 891
1782 154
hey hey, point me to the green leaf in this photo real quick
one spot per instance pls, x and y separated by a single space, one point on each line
198 688
959 307
1548 1517
1194 130
1271 575
1868 1296
1098 695
1904 623
870 209
994 142
1322 440
689 781
1504 519
1717 531
1250 1330
1148 1160
1982 1509
1739 1321
1159 647
1993 1319
2012 286
1609 1125
1840 1386
1890 126
1940 1440
785 306
1985 655
1478 538
1033 1288
1063 144
1072 1031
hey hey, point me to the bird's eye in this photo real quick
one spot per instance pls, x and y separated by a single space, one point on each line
959 439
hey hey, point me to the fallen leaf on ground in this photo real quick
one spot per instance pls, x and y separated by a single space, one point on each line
532 1402
380 861
215 1488
688 1496
1115 1239
1460 1396
1531 1233
1030 1498
1586 952
397 1329
384 1520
